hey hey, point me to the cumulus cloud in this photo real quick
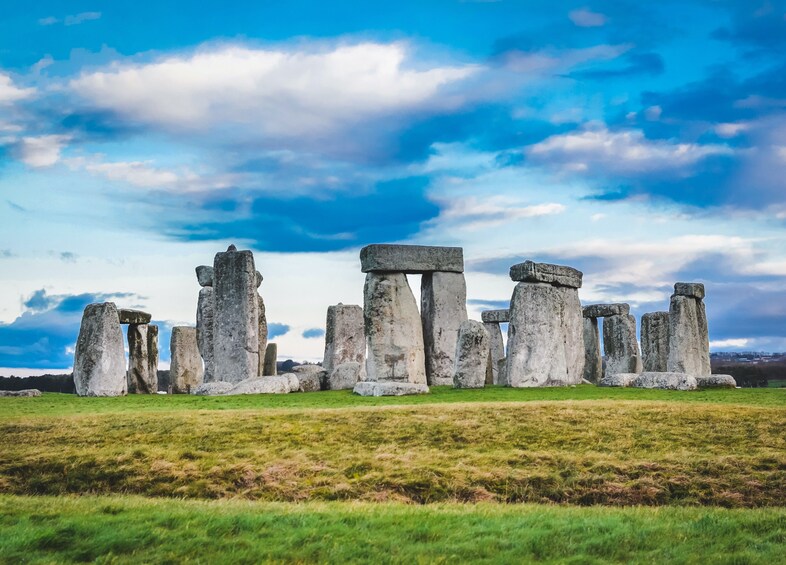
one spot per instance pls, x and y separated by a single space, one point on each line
276 92
41 151
10 93
584 17
475 213
622 152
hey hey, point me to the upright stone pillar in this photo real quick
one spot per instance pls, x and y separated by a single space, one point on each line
270 368
345 339
205 324
99 356
185 370
620 345
262 334
491 321
593 360
443 308
472 355
655 342
236 317
545 333
142 369
689 345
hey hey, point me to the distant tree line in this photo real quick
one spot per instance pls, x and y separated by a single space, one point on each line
44 383
753 375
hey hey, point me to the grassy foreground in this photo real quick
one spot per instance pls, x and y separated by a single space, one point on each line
133 530
719 448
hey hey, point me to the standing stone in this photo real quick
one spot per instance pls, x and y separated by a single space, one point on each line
262 334
393 328
270 369
152 353
236 317
472 355
345 340
689 349
545 334
655 341
205 325
142 374
593 361
204 275
185 371
496 350
620 345
443 309
99 357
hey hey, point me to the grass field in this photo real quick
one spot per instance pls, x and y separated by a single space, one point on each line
302 465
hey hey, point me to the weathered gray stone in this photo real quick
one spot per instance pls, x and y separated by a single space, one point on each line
280 384
688 339
443 309
345 339
205 326
655 341
603 310
25 393
259 279
213 389
185 370
389 388
127 316
411 259
495 316
271 357
307 369
694 290
618 379
99 357
294 381
620 345
142 362
558 275
496 350
716 381
593 360
394 333
204 275
236 318
310 382
545 336
472 355
262 333
344 376
666 381
502 374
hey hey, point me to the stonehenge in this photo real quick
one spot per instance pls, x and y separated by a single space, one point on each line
443 309
545 341
619 341
689 343
655 341
269 368
142 359
472 355
491 321
185 371
345 342
99 357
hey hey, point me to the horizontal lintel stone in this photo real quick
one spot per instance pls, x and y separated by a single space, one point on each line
558 275
490 316
605 310
694 290
411 259
128 316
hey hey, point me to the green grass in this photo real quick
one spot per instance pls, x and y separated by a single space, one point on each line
716 448
52 404
135 530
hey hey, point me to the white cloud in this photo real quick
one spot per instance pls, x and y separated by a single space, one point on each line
41 151
274 92
733 129
619 152
721 343
561 60
10 93
80 18
584 17
475 213
48 21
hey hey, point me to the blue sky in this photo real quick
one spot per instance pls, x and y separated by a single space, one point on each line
643 143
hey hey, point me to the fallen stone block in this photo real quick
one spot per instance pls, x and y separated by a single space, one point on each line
665 381
26 393
604 310
344 376
716 381
498 316
411 259
216 388
280 384
558 275
694 290
618 379
309 382
369 388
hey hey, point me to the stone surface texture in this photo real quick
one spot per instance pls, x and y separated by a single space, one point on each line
655 341
185 371
689 349
545 336
309 382
142 359
344 376
618 379
369 388
694 290
213 389
345 338
280 384
620 346
99 356
666 381
716 381
603 310
557 275
204 275
236 317
498 316
394 333
205 325
472 355
127 316
25 393
593 360
443 309
261 333
270 368
411 259
496 350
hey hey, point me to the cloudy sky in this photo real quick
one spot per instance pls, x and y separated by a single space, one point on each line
641 142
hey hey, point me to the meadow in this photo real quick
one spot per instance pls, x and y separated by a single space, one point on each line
496 474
